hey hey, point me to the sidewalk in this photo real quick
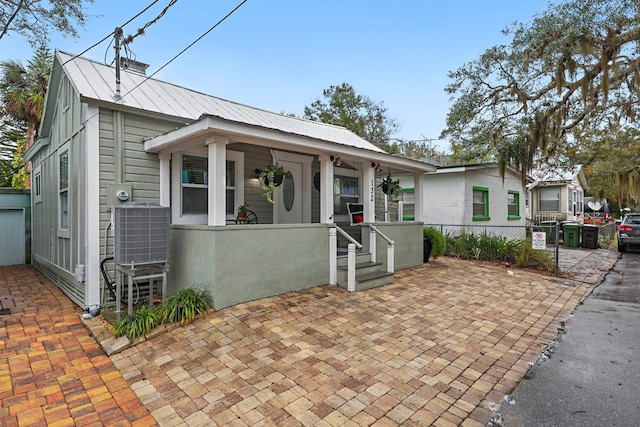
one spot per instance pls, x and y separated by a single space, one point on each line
441 345
52 372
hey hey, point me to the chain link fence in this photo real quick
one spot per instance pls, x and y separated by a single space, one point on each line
557 235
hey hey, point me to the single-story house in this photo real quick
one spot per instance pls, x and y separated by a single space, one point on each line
557 194
473 198
201 156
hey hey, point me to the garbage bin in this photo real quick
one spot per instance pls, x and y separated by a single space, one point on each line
426 249
572 235
590 236
549 227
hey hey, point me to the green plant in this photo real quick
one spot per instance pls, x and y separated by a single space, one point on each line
137 324
242 208
268 179
391 187
185 305
528 257
438 242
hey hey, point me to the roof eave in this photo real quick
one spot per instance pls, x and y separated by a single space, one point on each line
211 125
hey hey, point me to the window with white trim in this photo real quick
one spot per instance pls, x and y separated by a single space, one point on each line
36 184
63 188
195 184
549 199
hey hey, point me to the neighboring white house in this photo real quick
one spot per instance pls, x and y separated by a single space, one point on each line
475 198
557 194
198 155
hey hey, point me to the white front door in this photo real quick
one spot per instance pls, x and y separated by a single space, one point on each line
292 199
289 195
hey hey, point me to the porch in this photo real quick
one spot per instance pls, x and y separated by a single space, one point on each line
211 167
239 263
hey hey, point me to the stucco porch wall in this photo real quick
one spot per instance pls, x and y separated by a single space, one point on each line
240 263
407 239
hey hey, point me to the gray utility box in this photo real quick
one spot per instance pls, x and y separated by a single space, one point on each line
141 233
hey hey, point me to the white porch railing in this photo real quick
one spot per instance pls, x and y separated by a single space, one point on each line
390 247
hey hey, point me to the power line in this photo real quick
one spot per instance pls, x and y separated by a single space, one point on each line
96 44
186 48
129 38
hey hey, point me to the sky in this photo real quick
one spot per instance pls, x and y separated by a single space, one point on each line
279 55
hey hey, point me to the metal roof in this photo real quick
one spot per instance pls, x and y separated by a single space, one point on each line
96 81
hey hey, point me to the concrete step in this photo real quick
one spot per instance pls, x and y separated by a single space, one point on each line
373 280
360 258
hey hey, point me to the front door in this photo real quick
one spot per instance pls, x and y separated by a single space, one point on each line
289 195
292 199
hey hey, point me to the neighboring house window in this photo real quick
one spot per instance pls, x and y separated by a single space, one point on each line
480 204
63 190
571 201
195 184
549 199
513 204
345 190
580 202
36 185
408 198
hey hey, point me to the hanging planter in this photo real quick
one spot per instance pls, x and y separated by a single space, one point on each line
391 187
270 178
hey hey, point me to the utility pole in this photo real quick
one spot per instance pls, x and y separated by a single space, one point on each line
117 33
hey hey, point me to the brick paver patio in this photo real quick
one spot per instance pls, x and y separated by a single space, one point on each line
52 372
441 346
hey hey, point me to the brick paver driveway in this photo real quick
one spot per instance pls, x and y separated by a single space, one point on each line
52 372
440 346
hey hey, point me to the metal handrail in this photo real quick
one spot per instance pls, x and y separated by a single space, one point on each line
348 237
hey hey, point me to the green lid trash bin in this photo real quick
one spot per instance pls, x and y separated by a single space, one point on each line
590 236
549 227
572 235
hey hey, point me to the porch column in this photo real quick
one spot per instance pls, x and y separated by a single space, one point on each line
326 190
217 146
369 193
165 179
418 194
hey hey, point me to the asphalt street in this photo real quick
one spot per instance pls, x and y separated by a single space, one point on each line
589 375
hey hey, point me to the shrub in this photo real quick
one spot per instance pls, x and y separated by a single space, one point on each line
438 242
137 324
529 257
185 305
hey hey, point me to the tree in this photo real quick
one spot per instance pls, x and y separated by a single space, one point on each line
34 19
22 93
570 74
342 106
12 136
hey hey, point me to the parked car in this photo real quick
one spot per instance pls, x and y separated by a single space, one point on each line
629 232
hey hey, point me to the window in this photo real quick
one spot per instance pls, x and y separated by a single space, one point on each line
195 184
36 185
345 190
513 204
63 190
480 204
408 197
549 199
230 189
580 202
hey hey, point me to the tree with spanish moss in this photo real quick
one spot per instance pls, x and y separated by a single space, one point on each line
566 81
35 19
